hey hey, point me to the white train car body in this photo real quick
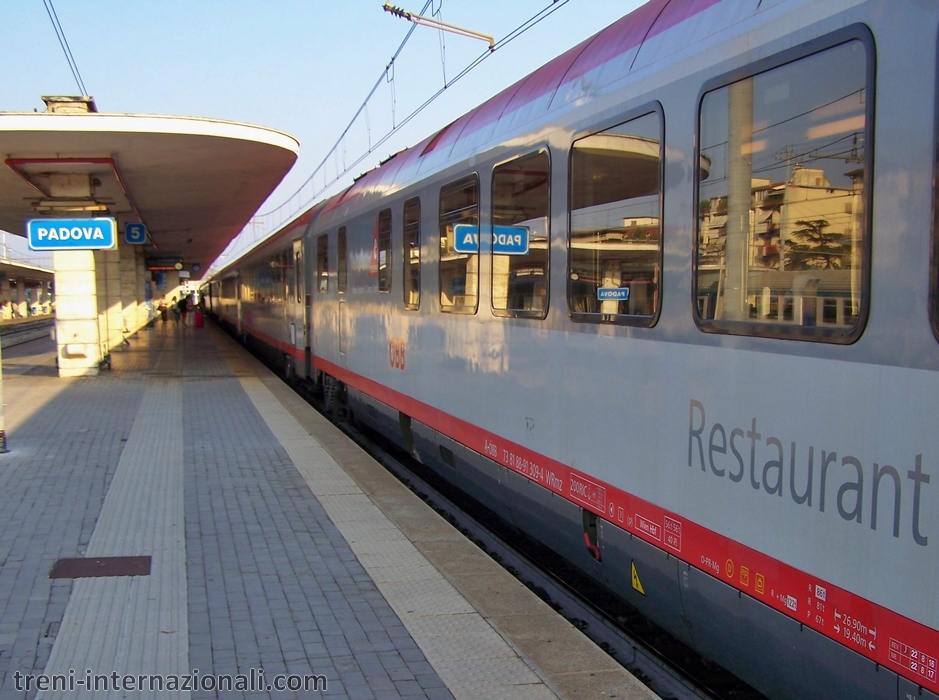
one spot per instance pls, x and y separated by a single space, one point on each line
713 385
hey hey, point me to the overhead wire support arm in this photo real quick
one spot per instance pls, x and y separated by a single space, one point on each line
438 24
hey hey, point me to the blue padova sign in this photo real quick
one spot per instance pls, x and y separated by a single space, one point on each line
506 240
72 234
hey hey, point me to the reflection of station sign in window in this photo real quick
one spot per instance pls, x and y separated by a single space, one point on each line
72 234
506 240
613 293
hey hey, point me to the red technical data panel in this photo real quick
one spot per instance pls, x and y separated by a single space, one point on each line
907 647
914 661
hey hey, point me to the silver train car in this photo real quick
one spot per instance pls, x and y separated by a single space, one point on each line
669 305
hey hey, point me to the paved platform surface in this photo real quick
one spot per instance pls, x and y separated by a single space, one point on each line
284 561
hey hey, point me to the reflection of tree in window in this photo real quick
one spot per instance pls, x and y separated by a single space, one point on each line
459 272
811 246
412 253
615 239
781 213
520 208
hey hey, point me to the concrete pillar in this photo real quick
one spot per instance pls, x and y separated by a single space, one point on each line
32 297
19 300
144 310
76 313
739 200
110 307
612 277
5 299
131 292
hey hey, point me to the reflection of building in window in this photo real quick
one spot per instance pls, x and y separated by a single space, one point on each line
342 274
817 231
412 253
459 272
229 288
781 212
520 249
615 243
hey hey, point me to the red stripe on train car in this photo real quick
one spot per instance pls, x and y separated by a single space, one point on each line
287 348
888 638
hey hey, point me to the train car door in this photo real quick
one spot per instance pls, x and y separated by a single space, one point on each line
297 313
342 278
343 322
238 302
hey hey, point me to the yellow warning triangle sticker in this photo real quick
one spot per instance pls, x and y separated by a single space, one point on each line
637 584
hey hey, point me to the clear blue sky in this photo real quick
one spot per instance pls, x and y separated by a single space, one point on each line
300 66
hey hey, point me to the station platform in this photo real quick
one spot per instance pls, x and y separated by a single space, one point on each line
230 537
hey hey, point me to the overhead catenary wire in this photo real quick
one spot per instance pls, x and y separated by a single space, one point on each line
387 75
514 34
238 248
443 42
63 42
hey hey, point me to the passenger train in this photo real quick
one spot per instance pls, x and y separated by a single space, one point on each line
669 305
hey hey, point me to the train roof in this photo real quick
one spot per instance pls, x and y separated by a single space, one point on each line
662 27
285 234
577 75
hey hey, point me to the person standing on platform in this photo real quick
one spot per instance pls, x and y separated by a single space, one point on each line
162 310
174 307
183 308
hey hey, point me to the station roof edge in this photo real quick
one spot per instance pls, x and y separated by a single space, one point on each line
147 124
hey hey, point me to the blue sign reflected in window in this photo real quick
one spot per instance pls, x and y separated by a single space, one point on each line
506 240
613 293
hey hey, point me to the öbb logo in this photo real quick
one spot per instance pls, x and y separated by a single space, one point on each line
396 353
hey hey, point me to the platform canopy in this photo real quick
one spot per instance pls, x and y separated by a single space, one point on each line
195 183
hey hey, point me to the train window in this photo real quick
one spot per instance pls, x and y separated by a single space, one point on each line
459 246
229 288
615 255
297 276
322 264
520 246
269 279
412 253
384 250
782 200
342 274
287 276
